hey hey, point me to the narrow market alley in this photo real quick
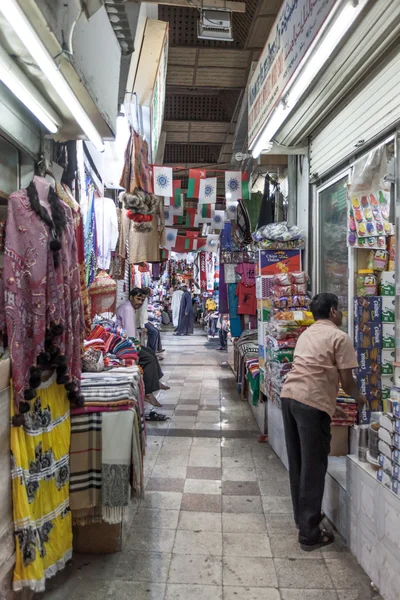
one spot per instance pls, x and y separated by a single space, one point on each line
216 521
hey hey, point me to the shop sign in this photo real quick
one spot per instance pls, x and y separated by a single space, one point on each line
158 99
295 28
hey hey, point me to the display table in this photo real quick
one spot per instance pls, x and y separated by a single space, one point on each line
107 449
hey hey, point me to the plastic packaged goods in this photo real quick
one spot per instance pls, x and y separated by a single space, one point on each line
276 245
377 260
288 302
278 232
366 283
283 279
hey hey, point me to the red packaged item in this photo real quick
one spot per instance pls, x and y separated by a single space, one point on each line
299 277
282 290
282 279
299 288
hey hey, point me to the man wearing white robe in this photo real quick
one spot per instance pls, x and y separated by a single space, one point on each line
176 305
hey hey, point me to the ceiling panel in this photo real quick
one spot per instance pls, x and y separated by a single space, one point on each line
196 108
202 154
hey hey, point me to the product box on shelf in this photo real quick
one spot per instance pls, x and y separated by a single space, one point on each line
261 356
262 381
387 382
391 406
369 360
388 358
370 386
385 463
388 309
395 487
264 285
387 283
396 472
368 335
388 422
384 478
264 310
272 262
262 331
389 452
367 308
386 436
388 335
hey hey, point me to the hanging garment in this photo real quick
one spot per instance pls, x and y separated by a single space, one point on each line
43 303
176 306
145 246
106 230
40 488
247 303
234 318
185 324
90 239
136 172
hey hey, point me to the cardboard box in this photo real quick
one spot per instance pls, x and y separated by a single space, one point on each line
387 382
272 262
395 487
339 441
385 450
264 310
387 283
369 360
395 471
388 358
367 308
98 538
385 463
388 309
384 478
368 335
370 386
387 422
388 335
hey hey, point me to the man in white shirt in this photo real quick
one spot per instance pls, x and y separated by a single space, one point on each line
176 306
126 318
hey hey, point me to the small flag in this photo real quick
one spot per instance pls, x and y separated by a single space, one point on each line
176 199
191 244
177 211
170 237
164 254
208 190
245 187
212 242
195 175
168 216
192 234
163 181
167 201
206 211
218 219
231 209
233 185
187 219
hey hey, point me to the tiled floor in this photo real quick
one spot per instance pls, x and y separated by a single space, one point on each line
216 521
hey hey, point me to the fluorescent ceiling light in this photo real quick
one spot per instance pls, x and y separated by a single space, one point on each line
16 81
28 36
312 63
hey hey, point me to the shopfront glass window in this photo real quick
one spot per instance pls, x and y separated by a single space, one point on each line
333 259
8 168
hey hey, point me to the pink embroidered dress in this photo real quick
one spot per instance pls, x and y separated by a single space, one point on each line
39 295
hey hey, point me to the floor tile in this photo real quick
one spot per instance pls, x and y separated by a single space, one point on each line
165 500
203 457
165 471
239 474
200 521
208 443
282 524
193 592
237 462
204 472
287 546
246 544
246 571
201 503
275 487
243 523
156 518
345 573
143 566
187 413
277 504
125 590
203 486
198 542
151 540
302 573
241 504
240 488
192 569
250 593
165 484
308 594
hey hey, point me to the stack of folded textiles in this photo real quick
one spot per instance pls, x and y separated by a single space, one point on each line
349 405
116 347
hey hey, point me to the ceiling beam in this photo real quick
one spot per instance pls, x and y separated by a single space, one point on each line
239 7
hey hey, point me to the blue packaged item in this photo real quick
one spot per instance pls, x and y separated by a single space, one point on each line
367 308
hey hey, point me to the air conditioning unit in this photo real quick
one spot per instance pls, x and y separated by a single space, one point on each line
215 25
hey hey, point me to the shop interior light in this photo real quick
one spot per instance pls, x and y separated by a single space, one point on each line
19 84
314 60
28 36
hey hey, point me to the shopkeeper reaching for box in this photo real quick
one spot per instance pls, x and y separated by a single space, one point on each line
324 355
126 318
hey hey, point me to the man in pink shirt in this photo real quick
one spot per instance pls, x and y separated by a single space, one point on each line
324 355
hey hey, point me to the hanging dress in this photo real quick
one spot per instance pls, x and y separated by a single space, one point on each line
40 487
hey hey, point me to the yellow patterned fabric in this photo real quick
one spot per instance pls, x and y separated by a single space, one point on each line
40 487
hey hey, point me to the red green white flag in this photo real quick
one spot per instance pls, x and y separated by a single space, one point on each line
245 187
176 199
195 175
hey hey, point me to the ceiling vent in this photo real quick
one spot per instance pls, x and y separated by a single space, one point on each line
215 25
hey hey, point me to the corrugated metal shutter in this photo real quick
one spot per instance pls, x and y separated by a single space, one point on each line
372 111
